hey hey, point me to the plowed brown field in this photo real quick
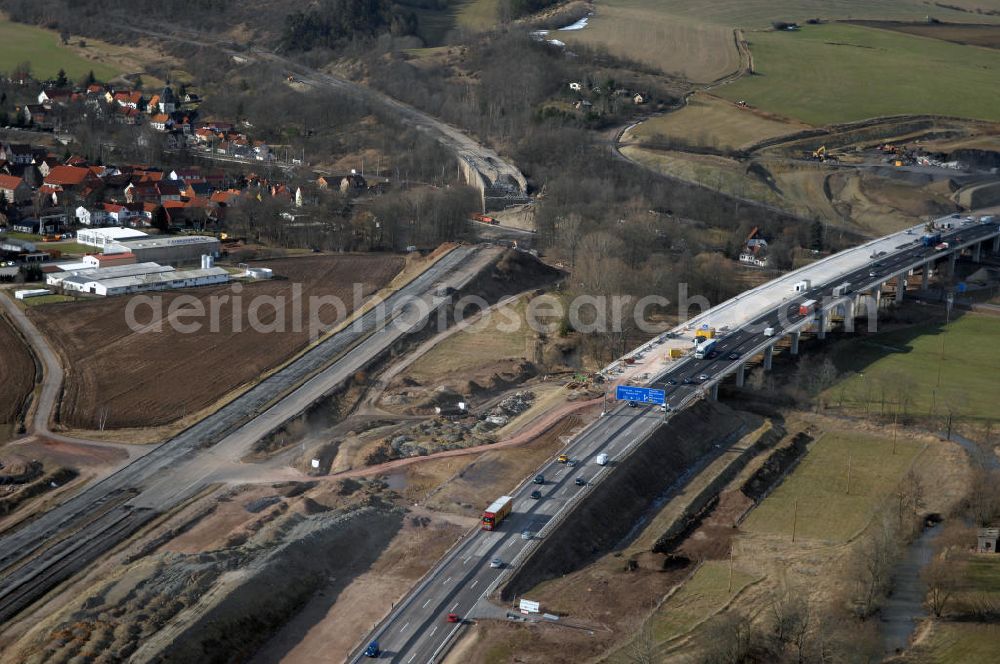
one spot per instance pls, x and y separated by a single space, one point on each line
17 377
132 379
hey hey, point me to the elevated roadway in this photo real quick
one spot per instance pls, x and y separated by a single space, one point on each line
416 631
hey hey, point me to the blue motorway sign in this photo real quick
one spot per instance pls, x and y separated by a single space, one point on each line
640 394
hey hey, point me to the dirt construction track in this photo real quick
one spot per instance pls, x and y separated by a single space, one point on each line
148 379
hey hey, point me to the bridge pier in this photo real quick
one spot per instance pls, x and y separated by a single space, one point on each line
821 320
977 252
849 308
768 357
714 392
925 278
996 245
741 375
900 288
952 258
795 342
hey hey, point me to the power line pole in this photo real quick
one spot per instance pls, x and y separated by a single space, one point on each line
795 517
850 461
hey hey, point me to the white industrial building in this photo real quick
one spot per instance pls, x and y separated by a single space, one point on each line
134 270
146 282
105 237
170 249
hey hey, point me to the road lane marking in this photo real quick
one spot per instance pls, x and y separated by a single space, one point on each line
446 581
466 561
473 584
403 628
453 608
511 542
433 630
411 658
425 604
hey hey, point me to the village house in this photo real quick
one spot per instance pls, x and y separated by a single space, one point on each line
14 189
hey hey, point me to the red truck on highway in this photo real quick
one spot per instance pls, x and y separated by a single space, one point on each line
807 307
497 512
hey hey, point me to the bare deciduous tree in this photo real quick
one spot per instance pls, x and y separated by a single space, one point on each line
942 581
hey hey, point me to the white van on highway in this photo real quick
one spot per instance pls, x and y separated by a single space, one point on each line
602 459
768 331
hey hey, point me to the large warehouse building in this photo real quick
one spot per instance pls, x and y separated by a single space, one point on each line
170 249
104 237
120 285
134 270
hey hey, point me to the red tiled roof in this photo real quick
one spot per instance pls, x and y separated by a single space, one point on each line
66 175
10 182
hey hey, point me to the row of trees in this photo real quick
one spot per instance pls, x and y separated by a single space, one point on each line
331 23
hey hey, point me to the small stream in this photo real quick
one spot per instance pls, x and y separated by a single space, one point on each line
905 606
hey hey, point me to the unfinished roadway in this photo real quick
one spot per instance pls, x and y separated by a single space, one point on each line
42 553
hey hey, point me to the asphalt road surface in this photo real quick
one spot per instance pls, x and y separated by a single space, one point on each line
40 554
417 631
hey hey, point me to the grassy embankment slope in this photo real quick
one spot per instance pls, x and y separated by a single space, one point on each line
42 48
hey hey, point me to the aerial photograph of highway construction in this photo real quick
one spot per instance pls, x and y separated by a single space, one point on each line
500 332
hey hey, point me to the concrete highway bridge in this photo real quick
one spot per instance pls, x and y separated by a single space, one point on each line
467 581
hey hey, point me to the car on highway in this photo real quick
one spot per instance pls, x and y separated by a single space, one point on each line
671 381
580 481
496 563
703 377
563 458
453 618
571 463
526 534
712 354
687 380
536 495
733 356
539 479
632 404
373 650
873 273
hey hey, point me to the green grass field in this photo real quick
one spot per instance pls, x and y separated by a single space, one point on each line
943 368
19 43
701 597
826 511
760 13
959 643
838 73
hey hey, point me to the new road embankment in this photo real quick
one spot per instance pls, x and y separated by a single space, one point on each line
41 554
641 480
